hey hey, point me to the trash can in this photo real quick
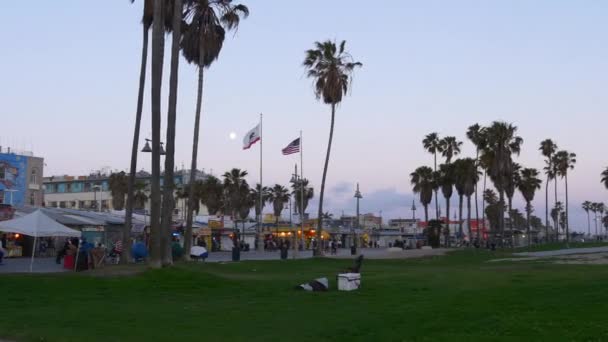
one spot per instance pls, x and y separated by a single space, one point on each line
236 254
353 250
284 252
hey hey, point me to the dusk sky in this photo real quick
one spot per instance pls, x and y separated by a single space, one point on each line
70 75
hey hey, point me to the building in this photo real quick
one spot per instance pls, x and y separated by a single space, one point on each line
20 178
406 226
93 191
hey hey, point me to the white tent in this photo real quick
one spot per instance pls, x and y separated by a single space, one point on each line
37 224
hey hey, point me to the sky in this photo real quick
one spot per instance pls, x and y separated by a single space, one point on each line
70 76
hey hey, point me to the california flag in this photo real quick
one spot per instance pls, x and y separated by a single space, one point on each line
251 137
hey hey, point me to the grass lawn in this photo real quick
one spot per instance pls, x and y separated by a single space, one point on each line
455 297
561 245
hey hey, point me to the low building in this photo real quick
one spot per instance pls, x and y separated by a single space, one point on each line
93 191
20 178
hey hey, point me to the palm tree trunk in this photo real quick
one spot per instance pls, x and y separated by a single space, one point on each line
197 123
588 223
168 185
158 43
447 231
436 196
319 250
483 204
511 222
476 198
567 218
556 223
469 216
126 236
528 209
547 210
461 200
426 214
501 217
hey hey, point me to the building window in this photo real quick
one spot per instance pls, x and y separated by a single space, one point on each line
32 199
68 187
81 204
62 204
34 177
2 172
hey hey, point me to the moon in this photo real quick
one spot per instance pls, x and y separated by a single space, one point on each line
232 135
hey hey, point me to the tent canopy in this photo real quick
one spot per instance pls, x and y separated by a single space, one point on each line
37 224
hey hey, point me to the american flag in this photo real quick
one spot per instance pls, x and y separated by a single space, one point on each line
293 147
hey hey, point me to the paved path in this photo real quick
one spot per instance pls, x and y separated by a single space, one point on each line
569 251
48 265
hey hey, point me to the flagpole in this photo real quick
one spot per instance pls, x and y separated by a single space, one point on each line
261 190
301 189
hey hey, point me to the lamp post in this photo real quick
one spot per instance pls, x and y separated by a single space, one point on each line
353 248
95 188
299 184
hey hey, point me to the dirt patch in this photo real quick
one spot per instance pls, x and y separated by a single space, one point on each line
573 259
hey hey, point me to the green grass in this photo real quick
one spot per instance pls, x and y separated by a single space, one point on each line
456 297
561 245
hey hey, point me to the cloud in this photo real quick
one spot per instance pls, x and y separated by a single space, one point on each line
343 188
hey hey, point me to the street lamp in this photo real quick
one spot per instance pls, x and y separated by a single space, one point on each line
358 196
95 188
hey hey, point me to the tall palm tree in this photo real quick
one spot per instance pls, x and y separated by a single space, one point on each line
555 216
169 181
278 196
564 162
459 184
118 183
445 181
593 208
511 185
432 144
492 210
450 147
255 193
605 177
548 149
146 21
476 135
471 177
527 183
422 180
202 40
587 207
600 209
331 68
158 46
502 143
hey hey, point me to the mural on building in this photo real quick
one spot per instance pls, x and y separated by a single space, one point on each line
13 169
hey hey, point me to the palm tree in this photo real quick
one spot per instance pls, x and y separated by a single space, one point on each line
527 183
555 216
450 147
423 181
299 186
118 183
459 184
211 194
255 193
234 187
593 208
169 181
502 143
331 69
492 210
432 144
446 180
511 185
140 197
471 177
548 149
587 207
565 161
158 45
605 177
146 20
202 41
278 196
600 209
476 134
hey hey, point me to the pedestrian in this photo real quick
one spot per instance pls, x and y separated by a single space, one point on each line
3 249
62 252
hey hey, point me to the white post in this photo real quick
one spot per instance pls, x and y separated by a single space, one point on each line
301 190
260 219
